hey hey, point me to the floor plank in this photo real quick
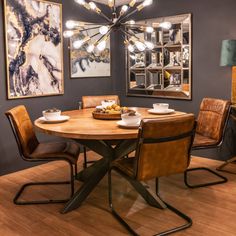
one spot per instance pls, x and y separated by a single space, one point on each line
213 209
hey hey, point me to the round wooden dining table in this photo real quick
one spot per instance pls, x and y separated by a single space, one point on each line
100 137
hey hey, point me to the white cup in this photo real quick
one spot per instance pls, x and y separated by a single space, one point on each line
131 120
161 106
52 115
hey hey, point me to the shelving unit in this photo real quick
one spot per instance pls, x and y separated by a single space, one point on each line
164 71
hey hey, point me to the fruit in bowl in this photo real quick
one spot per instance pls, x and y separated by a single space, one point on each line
113 109
52 114
107 103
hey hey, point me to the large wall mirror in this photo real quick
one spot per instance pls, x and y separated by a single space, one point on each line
164 71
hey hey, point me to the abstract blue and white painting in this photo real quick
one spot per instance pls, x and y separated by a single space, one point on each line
33 48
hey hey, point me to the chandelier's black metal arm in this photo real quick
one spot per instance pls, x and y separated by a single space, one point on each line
94 35
103 36
100 13
129 34
128 15
88 29
104 16
133 25
91 24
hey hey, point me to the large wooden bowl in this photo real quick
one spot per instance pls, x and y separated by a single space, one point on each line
106 116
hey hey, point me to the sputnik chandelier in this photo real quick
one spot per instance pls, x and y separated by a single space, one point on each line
120 21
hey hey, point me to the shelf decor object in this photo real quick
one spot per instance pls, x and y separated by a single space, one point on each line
228 58
33 34
93 38
165 69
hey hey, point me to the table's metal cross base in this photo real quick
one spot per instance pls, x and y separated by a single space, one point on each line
92 175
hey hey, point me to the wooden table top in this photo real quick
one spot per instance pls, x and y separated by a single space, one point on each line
82 125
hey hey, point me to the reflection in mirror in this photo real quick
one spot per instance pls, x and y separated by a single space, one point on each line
165 70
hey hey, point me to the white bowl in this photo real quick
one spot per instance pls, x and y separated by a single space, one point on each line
108 103
131 120
161 106
52 115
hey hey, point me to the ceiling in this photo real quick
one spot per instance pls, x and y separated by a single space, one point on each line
118 2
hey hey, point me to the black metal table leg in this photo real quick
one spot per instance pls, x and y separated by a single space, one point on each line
86 188
94 174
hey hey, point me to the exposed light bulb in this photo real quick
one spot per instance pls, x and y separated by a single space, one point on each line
102 45
140 46
165 25
68 33
149 29
124 9
103 30
80 2
70 24
78 43
111 3
149 45
131 48
90 48
130 22
92 5
147 3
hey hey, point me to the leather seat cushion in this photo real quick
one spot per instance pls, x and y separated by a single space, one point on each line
126 165
58 150
202 141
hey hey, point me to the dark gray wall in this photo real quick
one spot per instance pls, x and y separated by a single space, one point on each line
213 21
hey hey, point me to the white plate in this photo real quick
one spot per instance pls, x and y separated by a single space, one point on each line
156 112
121 123
59 120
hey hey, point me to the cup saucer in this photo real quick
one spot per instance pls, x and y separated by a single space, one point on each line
121 123
60 119
161 112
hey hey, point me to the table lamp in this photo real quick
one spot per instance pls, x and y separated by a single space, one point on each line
228 58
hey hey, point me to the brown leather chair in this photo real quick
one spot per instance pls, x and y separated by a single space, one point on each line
211 125
163 149
92 102
31 150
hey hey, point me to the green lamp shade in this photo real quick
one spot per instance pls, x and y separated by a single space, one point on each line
228 53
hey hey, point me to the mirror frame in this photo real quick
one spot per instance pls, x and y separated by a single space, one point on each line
162 93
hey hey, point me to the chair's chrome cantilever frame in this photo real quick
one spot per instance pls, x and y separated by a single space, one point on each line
23 187
223 179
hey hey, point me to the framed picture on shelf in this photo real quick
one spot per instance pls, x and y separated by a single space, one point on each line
34 48
84 64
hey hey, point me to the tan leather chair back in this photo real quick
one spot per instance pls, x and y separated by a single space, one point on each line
164 146
212 117
23 130
93 101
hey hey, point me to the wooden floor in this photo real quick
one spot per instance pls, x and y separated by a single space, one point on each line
213 209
